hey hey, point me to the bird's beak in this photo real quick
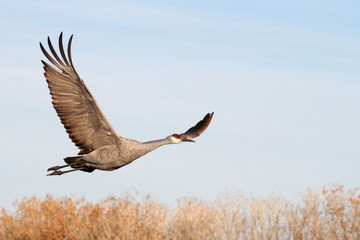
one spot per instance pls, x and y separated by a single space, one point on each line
188 140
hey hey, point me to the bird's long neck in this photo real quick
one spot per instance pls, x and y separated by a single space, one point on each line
152 145
132 149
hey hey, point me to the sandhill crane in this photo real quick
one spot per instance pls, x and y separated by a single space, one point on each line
100 146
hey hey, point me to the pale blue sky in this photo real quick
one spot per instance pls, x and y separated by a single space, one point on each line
281 76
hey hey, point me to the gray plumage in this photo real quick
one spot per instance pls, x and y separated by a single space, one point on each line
100 146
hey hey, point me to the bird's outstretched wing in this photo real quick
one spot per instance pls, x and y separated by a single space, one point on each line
198 129
75 105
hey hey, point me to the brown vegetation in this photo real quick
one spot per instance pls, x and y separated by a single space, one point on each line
332 213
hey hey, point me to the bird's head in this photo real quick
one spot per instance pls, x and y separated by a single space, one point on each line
177 138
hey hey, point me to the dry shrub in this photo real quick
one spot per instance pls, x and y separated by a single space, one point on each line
40 219
333 213
63 218
193 219
129 218
233 217
254 218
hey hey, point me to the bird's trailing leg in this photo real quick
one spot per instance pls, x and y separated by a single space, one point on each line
58 172
54 168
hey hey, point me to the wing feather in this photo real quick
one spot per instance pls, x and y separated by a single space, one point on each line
75 105
62 49
198 129
54 52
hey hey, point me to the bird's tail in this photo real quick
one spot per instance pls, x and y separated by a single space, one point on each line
78 163
71 160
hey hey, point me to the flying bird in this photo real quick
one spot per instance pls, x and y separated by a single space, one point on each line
100 146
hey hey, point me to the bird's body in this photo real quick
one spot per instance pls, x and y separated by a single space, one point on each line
112 157
100 146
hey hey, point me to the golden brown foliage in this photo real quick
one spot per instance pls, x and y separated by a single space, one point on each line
332 213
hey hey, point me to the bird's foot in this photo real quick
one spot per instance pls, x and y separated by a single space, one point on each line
55 173
53 168
58 172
